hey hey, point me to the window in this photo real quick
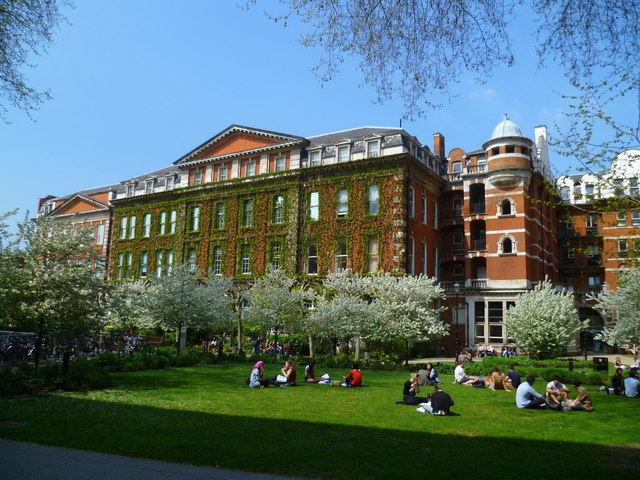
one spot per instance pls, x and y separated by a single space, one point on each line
100 235
341 254
373 259
251 169
424 258
423 209
410 263
146 225
168 183
97 269
163 223
435 215
276 253
505 207
594 280
591 222
495 321
314 205
577 191
222 173
280 163
618 186
622 219
195 219
458 271
373 148
130 189
247 212
148 187
458 236
132 227
567 223
123 227
343 154
173 215
312 258
507 245
144 260
245 261
192 255
623 248
635 217
456 167
564 192
217 261
589 191
314 158
634 190
120 266
164 262
343 202
129 263
220 216
570 253
197 177
411 202
457 207
372 199
278 209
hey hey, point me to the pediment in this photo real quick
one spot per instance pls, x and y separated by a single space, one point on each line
237 140
78 204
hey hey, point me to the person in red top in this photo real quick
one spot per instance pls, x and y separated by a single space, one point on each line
354 377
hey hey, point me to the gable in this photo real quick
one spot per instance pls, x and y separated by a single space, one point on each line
79 204
236 143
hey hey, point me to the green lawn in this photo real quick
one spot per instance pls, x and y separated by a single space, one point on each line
208 416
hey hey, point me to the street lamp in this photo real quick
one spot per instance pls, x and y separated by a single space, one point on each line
456 289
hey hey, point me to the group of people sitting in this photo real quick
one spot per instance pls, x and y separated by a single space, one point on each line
556 396
437 403
629 386
289 376
498 380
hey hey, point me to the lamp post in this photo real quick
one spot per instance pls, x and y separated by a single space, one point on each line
456 289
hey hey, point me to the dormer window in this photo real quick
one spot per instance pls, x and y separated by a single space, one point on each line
314 158
343 154
169 183
456 167
148 187
373 148
130 189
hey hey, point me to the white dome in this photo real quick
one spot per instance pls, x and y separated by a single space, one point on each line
506 128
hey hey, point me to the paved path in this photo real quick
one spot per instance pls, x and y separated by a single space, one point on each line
30 461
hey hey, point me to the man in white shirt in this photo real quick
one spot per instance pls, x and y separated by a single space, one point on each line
461 377
557 392
527 396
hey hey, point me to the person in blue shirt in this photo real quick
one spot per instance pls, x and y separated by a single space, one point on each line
632 384
527 396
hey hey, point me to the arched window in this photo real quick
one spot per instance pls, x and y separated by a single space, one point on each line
507 245
505 207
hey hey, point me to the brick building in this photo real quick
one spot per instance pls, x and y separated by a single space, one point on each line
485 221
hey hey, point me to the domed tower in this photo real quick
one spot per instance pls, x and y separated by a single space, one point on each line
508 148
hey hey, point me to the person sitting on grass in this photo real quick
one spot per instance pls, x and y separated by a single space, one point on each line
583 400
354 377
632 384
497 380
423 373
617 382
410 391
513 377
557 392
461 377
310 373
440 403
256 380
527 396
433 379
289 372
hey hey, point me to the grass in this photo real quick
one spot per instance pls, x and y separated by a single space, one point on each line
207 416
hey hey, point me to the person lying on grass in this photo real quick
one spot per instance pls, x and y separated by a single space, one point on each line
497 380
354 377
583 400
256 380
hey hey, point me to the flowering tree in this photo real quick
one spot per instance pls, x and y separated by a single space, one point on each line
275 302
127 306
181 300
544 320
408 306
622 307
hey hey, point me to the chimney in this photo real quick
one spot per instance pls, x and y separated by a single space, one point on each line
438 145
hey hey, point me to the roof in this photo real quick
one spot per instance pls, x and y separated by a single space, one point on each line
506 128
355 134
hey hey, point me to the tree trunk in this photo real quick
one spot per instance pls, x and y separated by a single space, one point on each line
240 346
311 346
178 334
38 350
357 348
406 360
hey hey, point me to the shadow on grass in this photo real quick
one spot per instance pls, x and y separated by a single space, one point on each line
296 448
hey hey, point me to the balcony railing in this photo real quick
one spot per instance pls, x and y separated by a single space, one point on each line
476 283
455 213
476 168
479 244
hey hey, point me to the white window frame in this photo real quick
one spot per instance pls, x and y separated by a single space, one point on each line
278 209
313 162
312 259
173 218
146 225
341 260
100 234
197 177
635 217
247 212
373 254
148 187
314 205
375 151
195 219
162 225
217 260
342 202
342 154
373 199
280 163
220 219
423 211
168 183
222 173
132 226
131 188
424 258
411 207
144 264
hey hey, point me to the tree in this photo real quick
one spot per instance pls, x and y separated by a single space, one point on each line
127 305
26 28
275 302
180 300
622 307
543 321
409 306
417 48
51 287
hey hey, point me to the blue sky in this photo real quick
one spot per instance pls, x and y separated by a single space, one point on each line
136 85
